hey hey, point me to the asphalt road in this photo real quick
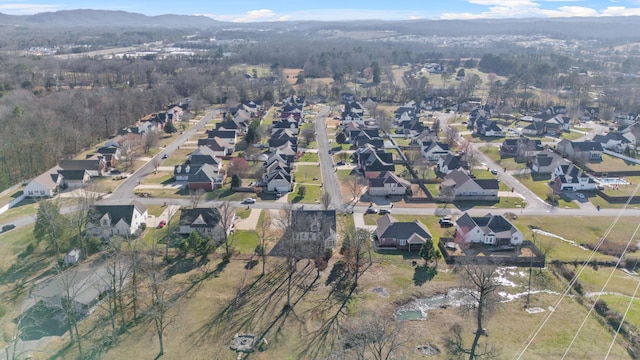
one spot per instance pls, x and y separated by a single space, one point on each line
330 181
127 187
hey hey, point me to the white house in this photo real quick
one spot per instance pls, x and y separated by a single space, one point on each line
44 185
487 230
433 150
388 183
117 219
278 181
571 177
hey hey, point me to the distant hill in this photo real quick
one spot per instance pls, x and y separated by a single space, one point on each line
620 27
108 18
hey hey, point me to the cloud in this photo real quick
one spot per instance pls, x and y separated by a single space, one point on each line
26 9
257 15
529 8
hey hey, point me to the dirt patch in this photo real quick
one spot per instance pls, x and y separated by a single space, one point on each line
380 291
290 75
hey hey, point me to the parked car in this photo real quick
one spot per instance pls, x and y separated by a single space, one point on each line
115 172
384 211
446 223
249 201
580 195
340 163
8 227
445 218
494 171
164 156
162 224
371 210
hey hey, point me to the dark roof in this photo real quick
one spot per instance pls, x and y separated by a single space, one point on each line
79 164
221 133
325 216
487 184
72 174
118 211
389 227
206 173
586 145
200 217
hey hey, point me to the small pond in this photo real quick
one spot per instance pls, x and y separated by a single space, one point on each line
418 309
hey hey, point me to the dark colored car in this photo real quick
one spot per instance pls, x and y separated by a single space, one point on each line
371 211
340 163
446 223
8 227
384 211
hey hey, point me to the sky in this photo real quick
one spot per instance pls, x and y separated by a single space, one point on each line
339 10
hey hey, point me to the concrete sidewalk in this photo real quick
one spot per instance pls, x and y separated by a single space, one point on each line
251 222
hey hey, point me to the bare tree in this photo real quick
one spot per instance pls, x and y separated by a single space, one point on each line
447 195
84 202
354 185
159 305
343 156
482 281
356 249
150 139
195 196
325 200
227 214
451 136
374 335
50 224
308 135
264 233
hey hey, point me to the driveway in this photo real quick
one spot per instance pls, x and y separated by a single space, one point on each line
251 222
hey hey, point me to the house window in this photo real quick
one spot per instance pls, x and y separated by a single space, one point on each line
314 227
402 242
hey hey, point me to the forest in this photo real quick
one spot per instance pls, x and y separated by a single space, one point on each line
54 106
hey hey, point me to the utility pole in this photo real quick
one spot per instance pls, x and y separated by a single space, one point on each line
530 269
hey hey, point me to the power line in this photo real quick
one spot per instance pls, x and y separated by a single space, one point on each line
626 312
604 286
572 282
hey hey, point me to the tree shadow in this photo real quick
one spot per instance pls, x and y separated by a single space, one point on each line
422 274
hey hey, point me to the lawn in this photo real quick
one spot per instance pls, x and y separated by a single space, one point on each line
621 303
612 163
309 157
313 195
10 196
541 189
161 177
24 208
104 184
242 212
244 241
155 210
335 147
307 173
178 157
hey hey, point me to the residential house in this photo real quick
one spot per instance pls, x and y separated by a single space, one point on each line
388 184
86 284
411 127
278 181
204 155
288 124
230 136
546 161
315 225
217 145
74 179
207 177
283 142
94 166
461 185
369 102
373 162
405 235
111 154
432 103
489 128
590 113
433 150
571 177
522 148
206 221
356 136
116 219
613 141
347 97
536 128
449 162
294 100
44 185
580 150
487 230
183 171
